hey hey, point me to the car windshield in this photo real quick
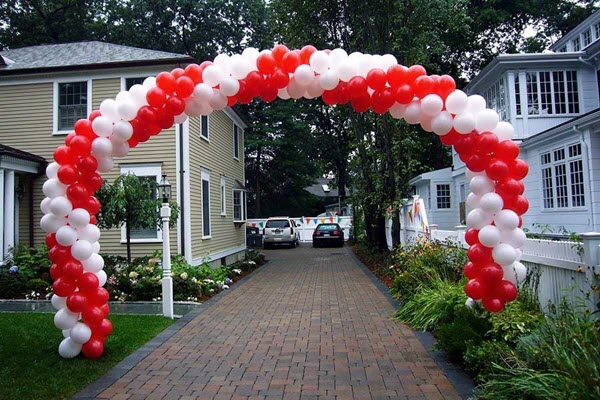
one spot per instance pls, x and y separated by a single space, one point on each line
278 223
328 227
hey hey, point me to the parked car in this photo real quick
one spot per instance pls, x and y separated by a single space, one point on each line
280 230
332 234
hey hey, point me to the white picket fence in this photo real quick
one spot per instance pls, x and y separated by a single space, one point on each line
307 225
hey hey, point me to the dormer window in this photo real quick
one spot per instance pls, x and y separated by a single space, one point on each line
597 31
576 44
587 38
552 93
495 98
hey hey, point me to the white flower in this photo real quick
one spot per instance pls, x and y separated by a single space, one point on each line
194 280
225 287
237 271
133 274
251 262
183 275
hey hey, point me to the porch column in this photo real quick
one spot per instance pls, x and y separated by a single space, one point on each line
2 212
9 210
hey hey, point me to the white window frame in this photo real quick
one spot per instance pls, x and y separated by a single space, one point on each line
496 97
236 130
538 92
243 205
125 77
583 36
437 196
56 101
151 169
569 181
223 196
207 137
205 176
576 42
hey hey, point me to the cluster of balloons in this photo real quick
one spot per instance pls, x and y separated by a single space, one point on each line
365 81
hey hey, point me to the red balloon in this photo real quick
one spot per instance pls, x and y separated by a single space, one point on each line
397 75
507 150
156 97
477 162
99 296
493 305
491 274
93 219
64 155
231 101
166 81
510 187
77 193
147 114
93 348
184 87
423 86
507 291
93 182
306 52
175 105
194 72
475 289
105 310
51 240
446 85
486 143
329 97
466 144
80 145
63 287
361 103
404 94
87 164
177 72
133 142
478 253
357 87
59 254
254 81
519 169
104 328
342 93
414 72
471 270
72 269
520 205
266 63
383 98
88 282
450 138
497 170
376 79
94 114
472 236
291 61
92 205
268 91
278 53
69 137
165 119
55 271
77 302
67 174
280 79
83 127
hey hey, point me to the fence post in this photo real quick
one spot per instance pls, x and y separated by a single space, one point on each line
433 229
461 229
591 257
403 232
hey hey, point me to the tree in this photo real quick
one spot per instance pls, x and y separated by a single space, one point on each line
132 201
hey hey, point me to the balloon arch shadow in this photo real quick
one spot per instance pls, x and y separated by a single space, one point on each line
374 82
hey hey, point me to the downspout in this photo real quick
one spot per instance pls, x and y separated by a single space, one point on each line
181 190
586 167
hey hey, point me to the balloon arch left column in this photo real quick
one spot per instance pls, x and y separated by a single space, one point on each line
365 81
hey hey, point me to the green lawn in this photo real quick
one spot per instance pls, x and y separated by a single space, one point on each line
30 367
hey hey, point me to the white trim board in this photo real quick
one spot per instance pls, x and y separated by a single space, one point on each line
219 255
187 191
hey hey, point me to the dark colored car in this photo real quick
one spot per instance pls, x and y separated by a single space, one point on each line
331 234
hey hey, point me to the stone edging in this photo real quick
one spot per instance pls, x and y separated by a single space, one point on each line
456 375
125 365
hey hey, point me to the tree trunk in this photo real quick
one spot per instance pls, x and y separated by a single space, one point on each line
257 193
395 226
128 236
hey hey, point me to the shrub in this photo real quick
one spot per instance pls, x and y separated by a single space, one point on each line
515 320
39 286
12 284
466 330
32 262
433 305
480 359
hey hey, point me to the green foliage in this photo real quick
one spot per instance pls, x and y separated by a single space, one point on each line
480 359
514 321
32 262
39 286
12 285
433 305
466 330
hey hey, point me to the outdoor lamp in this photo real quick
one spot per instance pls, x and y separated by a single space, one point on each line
165 188
20 192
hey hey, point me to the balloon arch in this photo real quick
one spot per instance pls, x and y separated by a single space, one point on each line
365 81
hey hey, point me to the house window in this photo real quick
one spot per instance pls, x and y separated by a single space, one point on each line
443 196
597 31
587 38
223 197
204 127
495 98
576 44
236 142
517 95
150 174
72 104
552 93
129 82
239 205
562 49
562 177
205 205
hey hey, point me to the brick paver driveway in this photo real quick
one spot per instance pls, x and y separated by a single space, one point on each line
310 324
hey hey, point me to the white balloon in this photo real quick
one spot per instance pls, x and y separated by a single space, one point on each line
283 94
53 188
477 218
123 130
486 120
52 169
80 333
149 82
66 333
337 55
222 61
94 263
61 206
205 109
251 54
79 218
397 110
481 185
509 273
389 60
295 89
314 89
108 109
241 66
506 220
476 104
426 123
66 235
58 302
516 237
120 150
218 101
520 271
304 75
102 126
90 233
328 80
504 131
319 62
203 92
432 105
519 254
138 93
45 205
50 223
181 118
105 164
212 75
489 236
347 69
68 348
192 107
123 95
504 254
470 303
102 277
492 203
412 114
442 123
81 250
470 174
229 86
127 109
464 123
473 201
95 247
101 147
65 319
457 102
365 64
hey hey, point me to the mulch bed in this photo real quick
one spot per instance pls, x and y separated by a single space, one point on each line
377 264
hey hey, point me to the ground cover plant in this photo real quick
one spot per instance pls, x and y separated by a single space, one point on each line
32 369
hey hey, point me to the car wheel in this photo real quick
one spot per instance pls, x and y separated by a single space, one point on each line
293 244
315 245
265 246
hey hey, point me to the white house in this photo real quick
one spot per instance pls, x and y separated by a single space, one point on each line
552 100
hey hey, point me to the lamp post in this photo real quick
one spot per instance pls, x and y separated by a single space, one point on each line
167 281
